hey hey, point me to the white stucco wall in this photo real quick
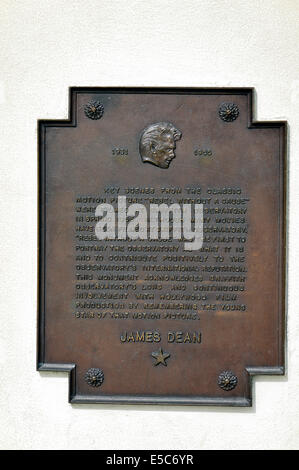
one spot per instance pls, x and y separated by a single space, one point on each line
47 46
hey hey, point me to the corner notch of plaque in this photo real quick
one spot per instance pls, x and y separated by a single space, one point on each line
135 317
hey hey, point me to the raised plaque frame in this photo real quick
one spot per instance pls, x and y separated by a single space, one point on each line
170 399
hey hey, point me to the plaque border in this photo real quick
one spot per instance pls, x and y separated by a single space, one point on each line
141 399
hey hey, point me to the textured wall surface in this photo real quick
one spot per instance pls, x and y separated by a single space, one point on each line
47 46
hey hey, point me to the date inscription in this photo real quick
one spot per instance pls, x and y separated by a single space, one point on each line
120 151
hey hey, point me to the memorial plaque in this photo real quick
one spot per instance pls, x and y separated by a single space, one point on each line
162 246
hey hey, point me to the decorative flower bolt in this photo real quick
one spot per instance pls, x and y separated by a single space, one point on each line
94 110
227 380
228 112
94 377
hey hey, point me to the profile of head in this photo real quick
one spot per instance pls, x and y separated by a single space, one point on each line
158 142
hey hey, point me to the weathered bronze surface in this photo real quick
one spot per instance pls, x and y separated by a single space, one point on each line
145 321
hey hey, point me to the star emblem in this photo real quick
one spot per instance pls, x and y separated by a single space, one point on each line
160 357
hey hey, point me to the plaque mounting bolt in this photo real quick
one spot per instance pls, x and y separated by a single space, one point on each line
94 377
228 112
94 110
227 380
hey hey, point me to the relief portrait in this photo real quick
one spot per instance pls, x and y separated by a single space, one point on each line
158 142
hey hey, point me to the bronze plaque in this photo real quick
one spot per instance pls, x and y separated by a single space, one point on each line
184 313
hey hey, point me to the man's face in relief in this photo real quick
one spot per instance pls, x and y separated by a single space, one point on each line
158 142
163 153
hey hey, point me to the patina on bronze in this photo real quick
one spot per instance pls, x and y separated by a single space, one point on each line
145 321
